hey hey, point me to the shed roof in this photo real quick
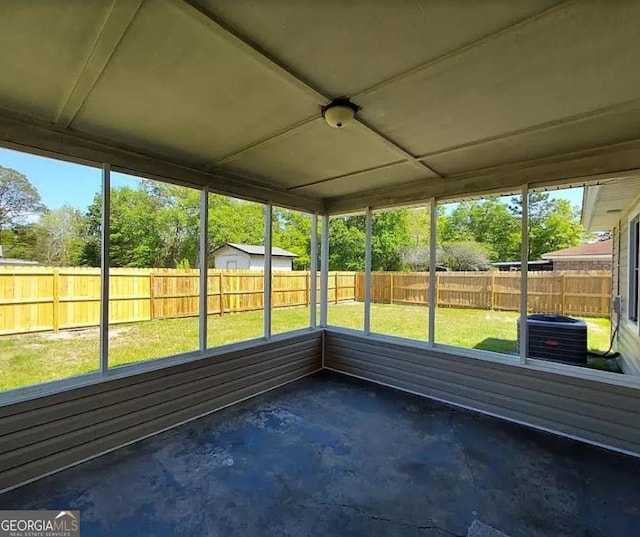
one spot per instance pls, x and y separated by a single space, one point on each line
256 249
598 248
12 261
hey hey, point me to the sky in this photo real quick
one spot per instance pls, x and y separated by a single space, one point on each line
61 183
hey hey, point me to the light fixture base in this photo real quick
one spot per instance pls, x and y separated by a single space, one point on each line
339 112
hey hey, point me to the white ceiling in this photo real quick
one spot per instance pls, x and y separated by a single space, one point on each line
232 90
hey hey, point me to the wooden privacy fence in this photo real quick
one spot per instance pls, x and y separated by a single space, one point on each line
566 293
34 299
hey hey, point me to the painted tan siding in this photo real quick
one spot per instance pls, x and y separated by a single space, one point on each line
45 434
599 412
627 341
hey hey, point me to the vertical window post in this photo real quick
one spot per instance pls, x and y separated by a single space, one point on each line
524 274
267 269
324 271
313 276
204 266
634 268
433 225
367 273
104 267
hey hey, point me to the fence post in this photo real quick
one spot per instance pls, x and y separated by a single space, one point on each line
221 286
437 288
562 293
56 299
307 283
492 299
391 290
335 276
152 298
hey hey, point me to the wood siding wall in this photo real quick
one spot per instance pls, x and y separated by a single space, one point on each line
627 341
45 434
586 409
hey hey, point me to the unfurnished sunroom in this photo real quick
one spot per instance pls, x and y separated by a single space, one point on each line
373 389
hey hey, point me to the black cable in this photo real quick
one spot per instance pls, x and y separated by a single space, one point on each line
606 355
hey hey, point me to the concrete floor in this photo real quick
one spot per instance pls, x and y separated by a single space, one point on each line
329 455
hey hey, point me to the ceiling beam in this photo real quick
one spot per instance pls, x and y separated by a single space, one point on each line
627 106
35 136
263 141
597 164
206 18
453 54
198 14
115 25
408 157
348 175
417 161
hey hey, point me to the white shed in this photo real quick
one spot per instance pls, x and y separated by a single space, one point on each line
251 257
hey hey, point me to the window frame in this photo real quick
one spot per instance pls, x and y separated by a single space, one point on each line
633 267
105 372
520 360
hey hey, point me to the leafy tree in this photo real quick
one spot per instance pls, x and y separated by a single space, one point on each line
178 225
489 222
419 222
60 237
18 198
90 254
466 255
292 231
346 243
416 258
554 224
183 264
20 241
389 233
135 239
157 225
233 220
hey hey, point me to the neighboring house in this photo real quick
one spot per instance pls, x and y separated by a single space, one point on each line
512 266
6 261
616 207
250 257
591 256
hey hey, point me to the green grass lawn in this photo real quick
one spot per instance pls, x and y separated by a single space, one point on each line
36 358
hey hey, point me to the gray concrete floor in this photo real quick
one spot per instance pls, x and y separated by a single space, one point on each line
329 455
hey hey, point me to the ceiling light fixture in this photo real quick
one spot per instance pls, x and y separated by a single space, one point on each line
339 112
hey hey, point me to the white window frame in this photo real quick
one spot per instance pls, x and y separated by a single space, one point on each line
521 360
104 372
633 271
